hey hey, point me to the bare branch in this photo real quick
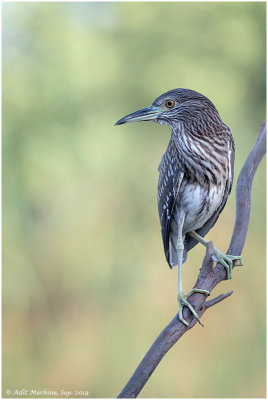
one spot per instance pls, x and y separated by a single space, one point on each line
208 277
217 300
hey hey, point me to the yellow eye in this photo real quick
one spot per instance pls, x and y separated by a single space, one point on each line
170 103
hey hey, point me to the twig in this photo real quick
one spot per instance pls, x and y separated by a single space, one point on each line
217 299
208 277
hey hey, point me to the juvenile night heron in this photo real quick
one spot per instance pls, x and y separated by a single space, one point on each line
195 177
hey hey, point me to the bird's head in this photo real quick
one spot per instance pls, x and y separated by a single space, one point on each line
174 106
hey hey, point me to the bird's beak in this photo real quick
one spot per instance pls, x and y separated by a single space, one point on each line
146 114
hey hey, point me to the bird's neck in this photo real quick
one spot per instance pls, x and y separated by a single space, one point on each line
203 157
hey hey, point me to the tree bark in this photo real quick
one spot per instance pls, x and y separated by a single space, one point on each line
208 277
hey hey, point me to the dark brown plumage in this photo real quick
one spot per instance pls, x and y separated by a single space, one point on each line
200 154
195 176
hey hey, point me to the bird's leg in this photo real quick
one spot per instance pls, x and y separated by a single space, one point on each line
225 259
182 299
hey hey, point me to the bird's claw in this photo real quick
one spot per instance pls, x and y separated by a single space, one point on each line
182 300
238 261
228 261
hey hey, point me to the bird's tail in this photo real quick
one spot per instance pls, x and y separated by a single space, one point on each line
172 256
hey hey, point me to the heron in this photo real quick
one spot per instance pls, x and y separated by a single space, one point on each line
195 178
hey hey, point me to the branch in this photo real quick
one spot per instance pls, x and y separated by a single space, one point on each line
208 277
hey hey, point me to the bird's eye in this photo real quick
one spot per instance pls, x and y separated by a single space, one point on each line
170 103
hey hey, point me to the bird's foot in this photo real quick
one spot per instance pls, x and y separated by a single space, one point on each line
227 261
182 300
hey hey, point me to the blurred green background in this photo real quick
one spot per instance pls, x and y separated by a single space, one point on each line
86 288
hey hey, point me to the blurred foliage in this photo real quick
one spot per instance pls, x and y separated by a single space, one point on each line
86 287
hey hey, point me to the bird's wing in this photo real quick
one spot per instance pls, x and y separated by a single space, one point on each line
170 178
190 242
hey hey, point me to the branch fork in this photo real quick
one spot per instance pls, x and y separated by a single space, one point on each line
208 278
